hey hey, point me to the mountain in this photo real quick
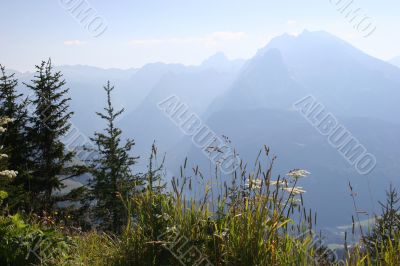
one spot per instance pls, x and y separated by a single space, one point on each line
86 91
395 61
262 83
220 62
298 145
346 80
359 90
251 102
132 85
196 88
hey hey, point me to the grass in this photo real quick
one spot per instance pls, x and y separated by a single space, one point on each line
252 219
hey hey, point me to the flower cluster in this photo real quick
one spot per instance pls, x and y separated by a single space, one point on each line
9 173
298 173
4 121
6 173
295 190
279 183
254 183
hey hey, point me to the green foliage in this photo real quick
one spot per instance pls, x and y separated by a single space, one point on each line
3 196
28 243
111 170
247 225
386 232
48 124
6 176
95 248
14 138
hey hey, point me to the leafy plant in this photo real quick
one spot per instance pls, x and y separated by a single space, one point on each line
28 243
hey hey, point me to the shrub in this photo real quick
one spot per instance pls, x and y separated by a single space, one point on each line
28 243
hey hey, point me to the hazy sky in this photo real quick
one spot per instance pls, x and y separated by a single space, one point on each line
137 32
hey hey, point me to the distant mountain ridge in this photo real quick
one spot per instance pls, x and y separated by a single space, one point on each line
251 101
361 91
395 61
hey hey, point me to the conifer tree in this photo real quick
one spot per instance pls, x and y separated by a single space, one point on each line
14 139
49 122
113 180
387 225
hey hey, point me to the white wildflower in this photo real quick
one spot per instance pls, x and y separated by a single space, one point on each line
3 156
254 183
295 190
9 173
278 183
298 173
171 229
5 120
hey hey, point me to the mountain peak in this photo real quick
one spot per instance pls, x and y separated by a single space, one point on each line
218 58
220 62
310 37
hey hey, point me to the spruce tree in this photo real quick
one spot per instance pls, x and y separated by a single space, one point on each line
14 139
387 225
49 122
113 180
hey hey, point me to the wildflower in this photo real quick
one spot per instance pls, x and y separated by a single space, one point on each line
5 120
9 173
278 183
298 173
3 156
173 228
295 190
254 183
164 216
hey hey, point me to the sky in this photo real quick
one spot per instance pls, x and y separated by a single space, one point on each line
130 33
